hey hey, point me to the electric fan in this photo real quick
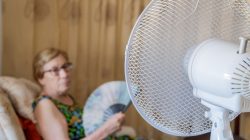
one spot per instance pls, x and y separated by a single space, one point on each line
186 69
105 101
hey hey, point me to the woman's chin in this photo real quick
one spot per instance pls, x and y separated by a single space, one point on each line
64 89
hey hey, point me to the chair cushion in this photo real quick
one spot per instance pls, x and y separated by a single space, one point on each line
21 93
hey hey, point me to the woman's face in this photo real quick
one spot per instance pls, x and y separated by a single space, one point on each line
56 77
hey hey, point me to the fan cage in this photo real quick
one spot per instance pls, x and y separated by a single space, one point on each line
155 58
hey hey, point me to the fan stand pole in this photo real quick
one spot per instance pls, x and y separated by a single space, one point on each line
221 129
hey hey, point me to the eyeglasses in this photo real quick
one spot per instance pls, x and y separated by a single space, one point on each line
67 67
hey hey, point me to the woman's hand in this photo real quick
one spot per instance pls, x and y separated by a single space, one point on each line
112 125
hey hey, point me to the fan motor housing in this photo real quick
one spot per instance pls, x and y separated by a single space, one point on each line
216 68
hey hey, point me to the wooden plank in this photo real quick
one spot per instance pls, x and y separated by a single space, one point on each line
46 25
244 126
64 8
123 31
94 44
107 46
17 39
1 37
73 21
82 61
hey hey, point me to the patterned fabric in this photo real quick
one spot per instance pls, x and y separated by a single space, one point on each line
73 115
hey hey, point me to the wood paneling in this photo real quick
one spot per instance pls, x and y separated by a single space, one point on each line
93 32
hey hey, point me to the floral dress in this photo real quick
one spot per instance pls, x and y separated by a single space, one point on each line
73 115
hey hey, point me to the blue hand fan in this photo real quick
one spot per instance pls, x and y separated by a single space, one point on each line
107 100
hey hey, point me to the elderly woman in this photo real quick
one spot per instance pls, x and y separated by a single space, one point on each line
58 116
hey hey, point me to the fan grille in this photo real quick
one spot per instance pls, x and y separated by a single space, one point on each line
155 66
241 79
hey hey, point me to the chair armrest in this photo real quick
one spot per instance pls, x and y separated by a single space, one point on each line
10 128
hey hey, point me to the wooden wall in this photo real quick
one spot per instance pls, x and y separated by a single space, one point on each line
93 32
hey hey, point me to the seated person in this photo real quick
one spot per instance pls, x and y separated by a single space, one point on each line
58 116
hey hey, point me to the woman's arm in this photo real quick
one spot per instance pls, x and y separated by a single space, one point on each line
109 127
51 123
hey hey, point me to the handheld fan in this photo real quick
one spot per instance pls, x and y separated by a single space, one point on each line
186 70
105 101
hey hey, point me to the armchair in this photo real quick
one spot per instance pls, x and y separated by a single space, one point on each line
16 97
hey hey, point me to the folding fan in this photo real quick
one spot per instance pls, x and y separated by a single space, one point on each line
191 70
105 101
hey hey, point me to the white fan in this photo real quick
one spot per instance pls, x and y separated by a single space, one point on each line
186 70
106 100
